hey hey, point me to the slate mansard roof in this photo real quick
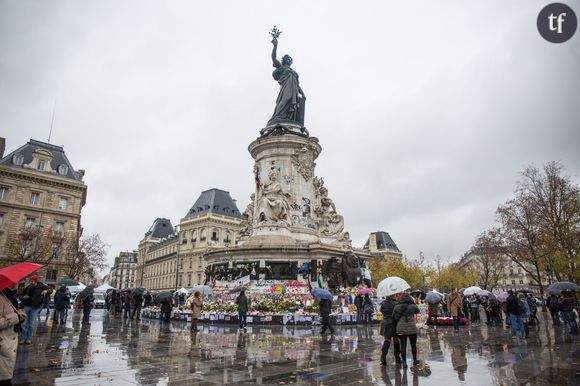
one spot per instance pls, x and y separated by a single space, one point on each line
160 229
58 158
384 241
215 201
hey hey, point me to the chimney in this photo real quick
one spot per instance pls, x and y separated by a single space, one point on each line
82 173
2 146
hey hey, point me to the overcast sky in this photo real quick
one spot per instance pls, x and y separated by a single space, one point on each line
426 111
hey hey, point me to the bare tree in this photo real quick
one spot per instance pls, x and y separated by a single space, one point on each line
87 257
35 245
520 236
489 258
555 200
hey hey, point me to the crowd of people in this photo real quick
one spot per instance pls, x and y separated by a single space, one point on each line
399 324
20 310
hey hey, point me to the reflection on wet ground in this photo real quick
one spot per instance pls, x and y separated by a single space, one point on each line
120 352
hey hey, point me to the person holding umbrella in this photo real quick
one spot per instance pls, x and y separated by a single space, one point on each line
61 305
566 306
388 330
325 306
554 308
88 301
137 303
165 301
243 306
10 319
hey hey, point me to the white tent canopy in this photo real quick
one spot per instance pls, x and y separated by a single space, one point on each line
104 288
76 288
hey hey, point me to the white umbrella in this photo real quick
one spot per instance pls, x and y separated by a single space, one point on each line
438 293
182 291
391 285
204 289
104 288
471 290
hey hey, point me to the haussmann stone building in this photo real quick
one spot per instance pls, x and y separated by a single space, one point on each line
173 257
41 198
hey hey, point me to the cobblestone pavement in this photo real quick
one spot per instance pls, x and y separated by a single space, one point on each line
122 352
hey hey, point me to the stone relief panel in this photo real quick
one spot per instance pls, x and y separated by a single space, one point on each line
273 204
303 161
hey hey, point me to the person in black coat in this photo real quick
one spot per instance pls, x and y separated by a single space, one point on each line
325 309
358 302
137 303
88 303
554 308
368 308
61 305
388 330
166 307
514 310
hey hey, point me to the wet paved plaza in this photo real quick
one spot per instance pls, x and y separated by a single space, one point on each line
119 352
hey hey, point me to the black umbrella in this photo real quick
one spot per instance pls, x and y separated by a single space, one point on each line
164 296
237 289
68 282
525 291
559 286
138 291
420 294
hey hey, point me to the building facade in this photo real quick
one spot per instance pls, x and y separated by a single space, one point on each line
171 258
122 273
41 198
381 244
511 276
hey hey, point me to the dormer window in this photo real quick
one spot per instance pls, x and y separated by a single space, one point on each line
62 169
18 159
40 164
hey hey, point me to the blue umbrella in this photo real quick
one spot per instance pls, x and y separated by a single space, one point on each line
321 293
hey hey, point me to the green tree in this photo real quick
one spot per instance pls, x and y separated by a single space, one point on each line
411 271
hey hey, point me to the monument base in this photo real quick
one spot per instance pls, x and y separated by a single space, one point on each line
282 127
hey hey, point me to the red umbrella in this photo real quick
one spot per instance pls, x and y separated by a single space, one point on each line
15 273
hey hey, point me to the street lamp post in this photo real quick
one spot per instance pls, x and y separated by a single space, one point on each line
177 230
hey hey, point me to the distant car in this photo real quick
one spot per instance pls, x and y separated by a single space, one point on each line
99 300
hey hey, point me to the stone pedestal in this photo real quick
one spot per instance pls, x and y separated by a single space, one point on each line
285 197
291 219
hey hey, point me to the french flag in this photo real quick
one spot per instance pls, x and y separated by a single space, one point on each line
258 182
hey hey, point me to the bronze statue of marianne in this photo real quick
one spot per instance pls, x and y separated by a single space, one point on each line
291 100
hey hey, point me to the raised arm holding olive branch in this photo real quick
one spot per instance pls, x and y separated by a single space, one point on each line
291 99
